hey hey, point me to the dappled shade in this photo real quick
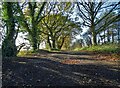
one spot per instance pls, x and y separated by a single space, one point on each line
47 71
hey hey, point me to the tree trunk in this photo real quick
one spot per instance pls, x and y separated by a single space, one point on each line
104 36
48 40
9 48
53 43
108 36
118 33
63 39
112 36
62 43
94 41
92 28
34 36
34 42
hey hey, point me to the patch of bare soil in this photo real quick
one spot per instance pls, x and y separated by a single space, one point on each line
60 69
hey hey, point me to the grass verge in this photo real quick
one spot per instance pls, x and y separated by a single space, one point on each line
106 48
112 50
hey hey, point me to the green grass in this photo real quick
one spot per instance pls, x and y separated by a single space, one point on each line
108 48
24 53
31 52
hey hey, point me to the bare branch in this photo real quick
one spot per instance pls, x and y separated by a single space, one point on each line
40 11
82 13
107 13
24 23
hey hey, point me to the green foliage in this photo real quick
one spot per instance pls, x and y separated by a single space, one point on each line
47 47
57 27
106 48
29 19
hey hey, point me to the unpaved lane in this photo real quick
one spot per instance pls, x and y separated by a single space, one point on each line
60 69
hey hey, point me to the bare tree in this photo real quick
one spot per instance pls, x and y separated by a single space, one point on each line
90 13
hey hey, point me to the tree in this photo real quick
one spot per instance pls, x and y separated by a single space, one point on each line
110 26
118 28
8 45
90 15
29 19
57 27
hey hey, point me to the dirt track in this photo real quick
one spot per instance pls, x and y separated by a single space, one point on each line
60 69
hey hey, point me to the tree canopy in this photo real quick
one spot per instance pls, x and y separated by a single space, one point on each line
56 23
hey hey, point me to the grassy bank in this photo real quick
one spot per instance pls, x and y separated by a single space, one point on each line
112 50
106 48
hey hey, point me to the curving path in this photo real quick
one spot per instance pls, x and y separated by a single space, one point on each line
60 69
